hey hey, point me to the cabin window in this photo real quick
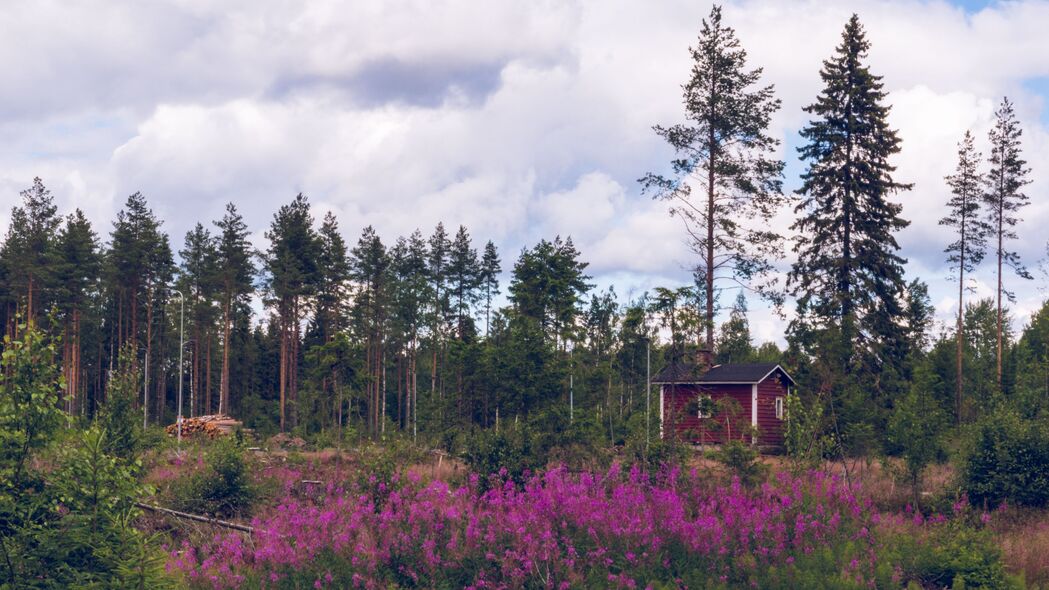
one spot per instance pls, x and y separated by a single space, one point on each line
704 406
779 408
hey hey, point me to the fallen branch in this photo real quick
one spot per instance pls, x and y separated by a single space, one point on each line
197 518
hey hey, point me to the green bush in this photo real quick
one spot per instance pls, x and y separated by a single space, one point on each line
118 417
221 488
953 555
742 461
1007 459
489 452
93 543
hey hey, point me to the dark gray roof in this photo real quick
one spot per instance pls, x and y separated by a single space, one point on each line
746 373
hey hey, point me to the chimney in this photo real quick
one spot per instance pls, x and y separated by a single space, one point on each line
704 360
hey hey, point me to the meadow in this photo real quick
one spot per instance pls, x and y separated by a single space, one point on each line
396 517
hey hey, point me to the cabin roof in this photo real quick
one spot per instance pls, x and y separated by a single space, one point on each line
734 373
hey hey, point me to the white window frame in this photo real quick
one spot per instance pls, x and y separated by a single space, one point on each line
780 407
700 404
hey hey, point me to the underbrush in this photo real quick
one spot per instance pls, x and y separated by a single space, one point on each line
615 528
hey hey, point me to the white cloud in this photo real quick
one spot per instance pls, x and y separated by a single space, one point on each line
518 120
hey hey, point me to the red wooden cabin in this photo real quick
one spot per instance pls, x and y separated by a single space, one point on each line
689 408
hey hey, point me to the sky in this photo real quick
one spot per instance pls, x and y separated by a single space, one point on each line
519 120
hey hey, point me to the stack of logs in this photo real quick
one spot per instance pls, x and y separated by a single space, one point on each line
209 426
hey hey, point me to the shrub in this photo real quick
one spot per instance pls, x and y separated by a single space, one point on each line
948 555
507 452
742 461
118 416
221 488
1007 460
93 542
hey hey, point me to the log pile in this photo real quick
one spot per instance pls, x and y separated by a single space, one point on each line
210 426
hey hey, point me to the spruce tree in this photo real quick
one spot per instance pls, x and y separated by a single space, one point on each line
726 155
235 274
970 231
734 343
848 277
1004 197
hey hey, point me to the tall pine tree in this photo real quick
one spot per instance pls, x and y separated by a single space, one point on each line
291 268
727 156
1004 198
235 274
970 231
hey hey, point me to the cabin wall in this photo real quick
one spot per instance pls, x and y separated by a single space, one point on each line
770 428
678 421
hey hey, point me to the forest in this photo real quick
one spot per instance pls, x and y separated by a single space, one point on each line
398 393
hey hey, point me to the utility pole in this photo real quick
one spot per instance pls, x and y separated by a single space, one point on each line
648 392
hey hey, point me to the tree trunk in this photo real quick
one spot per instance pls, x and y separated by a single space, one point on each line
224 380
1001 214
959 336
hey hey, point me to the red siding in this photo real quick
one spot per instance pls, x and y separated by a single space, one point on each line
770 428
679 421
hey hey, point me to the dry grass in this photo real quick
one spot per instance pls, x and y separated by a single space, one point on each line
1023 536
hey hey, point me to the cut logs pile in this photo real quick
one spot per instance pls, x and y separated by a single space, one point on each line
210 426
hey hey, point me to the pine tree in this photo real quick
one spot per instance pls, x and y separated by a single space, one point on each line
489 276
411 295
235 274
726 149
28 250
1004 198
971 232
369 268
291 267
438 272
198 282
463 278
333 276
848 278
77 267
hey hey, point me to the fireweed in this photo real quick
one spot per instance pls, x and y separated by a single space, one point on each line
558 530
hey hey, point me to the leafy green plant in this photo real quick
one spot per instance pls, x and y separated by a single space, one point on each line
489 453
94 542
118 416
222 487
804 437
741 460
1007 459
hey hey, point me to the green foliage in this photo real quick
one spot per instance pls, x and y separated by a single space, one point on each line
94 543
507 452
742 461
952 555
221 488
807 444
29 412
118 417
848 277
1007 459
916 427
646 447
